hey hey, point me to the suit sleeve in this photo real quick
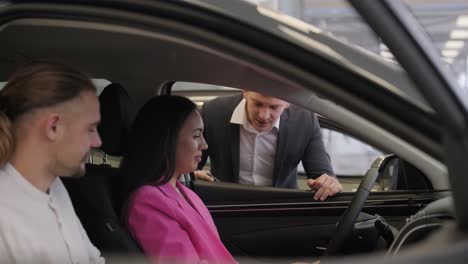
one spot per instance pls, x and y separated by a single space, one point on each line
159 233
316 160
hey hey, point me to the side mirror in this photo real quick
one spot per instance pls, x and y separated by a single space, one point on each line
388 170
398 174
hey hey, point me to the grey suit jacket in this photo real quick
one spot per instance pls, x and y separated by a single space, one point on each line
299 138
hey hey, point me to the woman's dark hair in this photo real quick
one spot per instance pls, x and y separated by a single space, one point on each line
37 85
151 152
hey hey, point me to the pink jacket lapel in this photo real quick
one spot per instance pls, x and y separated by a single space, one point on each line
190 199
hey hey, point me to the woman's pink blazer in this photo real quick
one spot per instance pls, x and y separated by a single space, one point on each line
172 229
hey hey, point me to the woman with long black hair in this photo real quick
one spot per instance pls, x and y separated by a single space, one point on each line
169 221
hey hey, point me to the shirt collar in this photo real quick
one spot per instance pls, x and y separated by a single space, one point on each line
239 116
26 186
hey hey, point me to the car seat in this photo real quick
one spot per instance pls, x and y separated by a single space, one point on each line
95 195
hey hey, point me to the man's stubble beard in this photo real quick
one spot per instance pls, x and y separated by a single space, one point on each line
81 171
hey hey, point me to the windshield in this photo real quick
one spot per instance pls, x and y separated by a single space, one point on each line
446 22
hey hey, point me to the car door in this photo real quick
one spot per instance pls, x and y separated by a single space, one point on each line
270 222
262 221
412 47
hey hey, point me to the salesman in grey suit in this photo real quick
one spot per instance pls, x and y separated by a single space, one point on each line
259 140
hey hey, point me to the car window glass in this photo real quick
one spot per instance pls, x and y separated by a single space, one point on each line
349 156
446 23
200 92
333 16
98 157
100 84
197 92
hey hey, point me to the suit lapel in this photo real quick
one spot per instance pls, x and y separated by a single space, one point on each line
280 147
171 192
235 144
190 200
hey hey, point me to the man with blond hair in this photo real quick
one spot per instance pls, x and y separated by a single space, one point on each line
48 119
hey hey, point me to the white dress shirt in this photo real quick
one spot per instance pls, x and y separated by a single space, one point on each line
256 150
36 227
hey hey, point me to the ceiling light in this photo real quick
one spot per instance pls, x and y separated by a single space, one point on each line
448 60
383 46
450 53
459 34
462 21
386 54
454 44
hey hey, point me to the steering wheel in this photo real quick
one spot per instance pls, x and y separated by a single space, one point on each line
345 226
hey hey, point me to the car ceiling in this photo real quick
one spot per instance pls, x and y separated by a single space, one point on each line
141 64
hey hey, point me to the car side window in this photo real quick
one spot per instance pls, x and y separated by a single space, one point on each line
350 159
349 156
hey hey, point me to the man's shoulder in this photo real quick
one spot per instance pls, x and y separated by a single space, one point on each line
296 113
12 203
8 189
219 110
224 101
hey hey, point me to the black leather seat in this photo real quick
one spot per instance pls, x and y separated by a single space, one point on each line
95 195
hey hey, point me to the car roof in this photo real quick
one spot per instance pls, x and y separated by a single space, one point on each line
387 74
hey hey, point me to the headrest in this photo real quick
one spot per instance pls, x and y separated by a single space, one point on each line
116 118
95 200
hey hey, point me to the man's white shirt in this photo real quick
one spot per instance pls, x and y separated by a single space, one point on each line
256 150
36 227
